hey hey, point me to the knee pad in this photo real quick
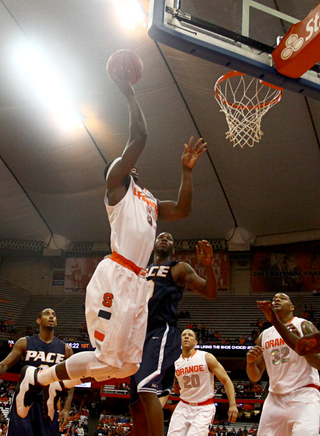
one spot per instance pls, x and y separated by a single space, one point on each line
86 364
78 365
127 369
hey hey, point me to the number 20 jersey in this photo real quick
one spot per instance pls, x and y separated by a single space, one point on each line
195 380
286 369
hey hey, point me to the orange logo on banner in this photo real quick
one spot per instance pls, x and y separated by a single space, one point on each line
298 50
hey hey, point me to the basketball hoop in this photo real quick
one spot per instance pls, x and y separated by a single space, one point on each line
244 100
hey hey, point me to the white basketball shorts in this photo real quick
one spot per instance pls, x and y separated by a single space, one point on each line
117 311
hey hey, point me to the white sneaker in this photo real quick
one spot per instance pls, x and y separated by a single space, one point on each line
26 390
52 393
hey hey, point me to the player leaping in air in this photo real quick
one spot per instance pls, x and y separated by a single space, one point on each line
118 292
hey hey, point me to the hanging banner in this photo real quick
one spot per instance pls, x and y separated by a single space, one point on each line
78 272
287 268
221 266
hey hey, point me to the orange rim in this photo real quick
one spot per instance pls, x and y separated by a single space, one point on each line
234 73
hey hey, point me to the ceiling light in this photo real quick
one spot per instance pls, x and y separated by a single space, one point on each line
49 86
131 13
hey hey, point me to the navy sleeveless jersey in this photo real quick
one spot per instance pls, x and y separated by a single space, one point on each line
163 305
43 355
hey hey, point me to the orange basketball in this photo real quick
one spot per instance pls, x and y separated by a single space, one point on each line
129 61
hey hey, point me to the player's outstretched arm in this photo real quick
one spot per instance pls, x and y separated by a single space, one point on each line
255 362
64 414
171 210
185 276
288 336
14 356
218 370
137 134
309 344
205 255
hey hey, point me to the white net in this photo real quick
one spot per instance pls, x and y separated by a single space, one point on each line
244 100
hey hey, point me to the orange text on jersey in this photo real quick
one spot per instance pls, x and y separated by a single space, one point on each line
189 369
142 197
274 343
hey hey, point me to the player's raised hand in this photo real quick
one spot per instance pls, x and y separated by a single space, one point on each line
254 353
294 329
122 80
268 310
204 252
192 152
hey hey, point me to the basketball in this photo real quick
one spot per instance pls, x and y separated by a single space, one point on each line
129 61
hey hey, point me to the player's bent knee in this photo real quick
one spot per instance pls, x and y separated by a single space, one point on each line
81 365
86 364
127 370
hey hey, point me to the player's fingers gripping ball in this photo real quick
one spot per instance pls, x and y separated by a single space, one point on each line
125 62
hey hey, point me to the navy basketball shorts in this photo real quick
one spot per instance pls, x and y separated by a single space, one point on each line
34 424
161 349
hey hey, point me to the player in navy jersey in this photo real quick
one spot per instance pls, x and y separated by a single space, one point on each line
153 382
42 351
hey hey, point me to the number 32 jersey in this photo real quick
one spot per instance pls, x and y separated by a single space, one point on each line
286 369
195 380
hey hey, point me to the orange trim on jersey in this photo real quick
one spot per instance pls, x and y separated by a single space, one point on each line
99 336
310 386
289 322
188 357
116 257
204 403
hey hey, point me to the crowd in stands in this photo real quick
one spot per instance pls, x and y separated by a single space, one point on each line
83 332
112 425
78 424
223 430
209 336
243 389
7 389
115 425
7 325
206 336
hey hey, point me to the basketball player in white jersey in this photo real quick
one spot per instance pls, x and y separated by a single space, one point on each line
118 293
303 345
293 403
195 371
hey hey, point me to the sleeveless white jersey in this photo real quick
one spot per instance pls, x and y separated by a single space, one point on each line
286 369
133 224
195 380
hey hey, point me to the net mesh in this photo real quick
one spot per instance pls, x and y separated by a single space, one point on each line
244 100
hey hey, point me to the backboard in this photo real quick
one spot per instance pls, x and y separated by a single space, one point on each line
237 34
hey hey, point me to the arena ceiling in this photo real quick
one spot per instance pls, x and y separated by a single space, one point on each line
51 178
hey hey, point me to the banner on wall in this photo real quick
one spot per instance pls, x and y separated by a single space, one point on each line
78 272
289 268
221 266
